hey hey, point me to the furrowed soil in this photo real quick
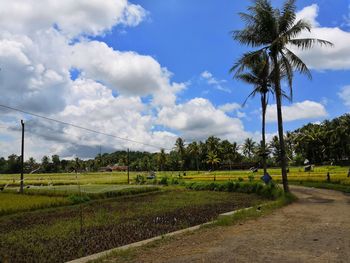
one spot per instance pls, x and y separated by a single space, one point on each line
54 235
316 228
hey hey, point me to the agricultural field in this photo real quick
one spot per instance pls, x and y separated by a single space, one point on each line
66 216
69 232
338 175
11 203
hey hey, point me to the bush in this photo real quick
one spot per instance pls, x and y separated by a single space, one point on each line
164 181
77 199
268 191
140 179
174 181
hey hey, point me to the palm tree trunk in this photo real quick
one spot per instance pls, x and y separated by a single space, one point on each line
197 164
263 143
278 92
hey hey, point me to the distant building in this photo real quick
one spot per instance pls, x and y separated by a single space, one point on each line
114 168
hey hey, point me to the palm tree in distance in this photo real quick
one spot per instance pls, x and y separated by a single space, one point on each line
259 76
248 148
213 159
180 149
193 149
274 31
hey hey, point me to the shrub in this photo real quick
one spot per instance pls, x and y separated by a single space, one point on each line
140 179
76 199
164 181
251 178
268 191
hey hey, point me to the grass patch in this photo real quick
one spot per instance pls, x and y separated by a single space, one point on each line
255 211
11 203
272 190
324 185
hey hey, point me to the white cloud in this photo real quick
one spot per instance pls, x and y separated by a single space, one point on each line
344 95
323 58
127 72
73 18
32 72
198 118
116 92
230 107
309 13
297 111
211 80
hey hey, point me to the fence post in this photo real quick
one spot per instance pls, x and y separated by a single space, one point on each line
22 159
128 163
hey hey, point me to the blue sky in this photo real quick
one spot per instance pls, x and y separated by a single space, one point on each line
190 38
161 68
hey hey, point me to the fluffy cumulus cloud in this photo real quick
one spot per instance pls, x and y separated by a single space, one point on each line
297 111
71 17
127 72
198 119
230 107
344 95
121 93
321 57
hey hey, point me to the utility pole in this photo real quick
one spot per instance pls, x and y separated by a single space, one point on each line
100 156
22 159
128 162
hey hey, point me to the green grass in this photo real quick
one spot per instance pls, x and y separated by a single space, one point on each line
296 174
10 203
324 185
88 189
256 211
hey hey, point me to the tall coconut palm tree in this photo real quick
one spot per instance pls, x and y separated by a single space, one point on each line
259 76
274 31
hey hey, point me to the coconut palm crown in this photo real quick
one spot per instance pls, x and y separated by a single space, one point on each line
276 31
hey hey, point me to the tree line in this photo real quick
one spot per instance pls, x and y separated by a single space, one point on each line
324 143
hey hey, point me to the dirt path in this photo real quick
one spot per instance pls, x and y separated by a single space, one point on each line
314 229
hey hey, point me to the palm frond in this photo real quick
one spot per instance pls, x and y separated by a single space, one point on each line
297 63
307 43
288 16
297 28
248 58
248 78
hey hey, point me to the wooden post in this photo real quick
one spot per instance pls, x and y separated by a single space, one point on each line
22 159
128 163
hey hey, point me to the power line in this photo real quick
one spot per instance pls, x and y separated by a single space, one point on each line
80 127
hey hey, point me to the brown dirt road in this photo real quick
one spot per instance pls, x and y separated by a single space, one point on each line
316 228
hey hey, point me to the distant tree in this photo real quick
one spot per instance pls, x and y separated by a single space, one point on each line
46 165
56 163
213 160
161 159
181 150
248 148
213 144
193 150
